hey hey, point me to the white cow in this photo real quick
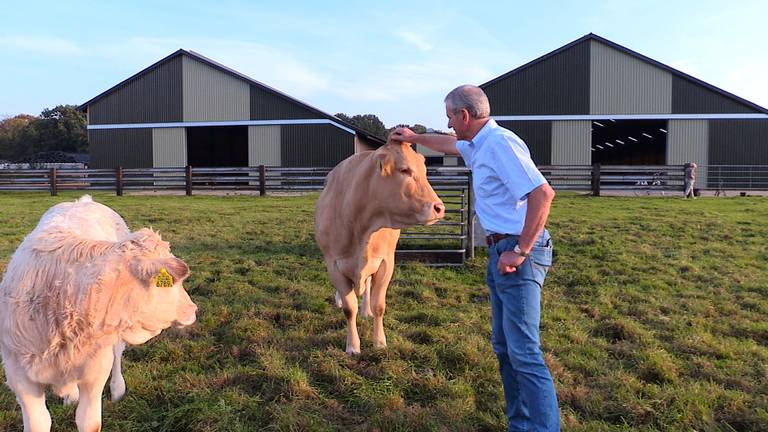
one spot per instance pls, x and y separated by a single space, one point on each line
79 286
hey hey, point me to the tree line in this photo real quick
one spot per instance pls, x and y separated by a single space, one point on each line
62 129
372 124
27 138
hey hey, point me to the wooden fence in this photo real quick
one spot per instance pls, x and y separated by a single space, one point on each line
265 179
448 242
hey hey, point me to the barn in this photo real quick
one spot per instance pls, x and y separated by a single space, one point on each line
595 101
187 109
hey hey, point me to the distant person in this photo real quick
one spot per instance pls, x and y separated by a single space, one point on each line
512 199
690 179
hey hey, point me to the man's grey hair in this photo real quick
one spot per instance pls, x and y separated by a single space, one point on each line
471 98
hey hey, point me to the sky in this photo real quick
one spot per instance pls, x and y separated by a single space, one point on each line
394 59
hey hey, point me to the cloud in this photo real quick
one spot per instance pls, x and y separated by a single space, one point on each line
395 81
746 79
40 45
414 39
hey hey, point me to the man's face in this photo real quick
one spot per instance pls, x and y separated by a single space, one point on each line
458 120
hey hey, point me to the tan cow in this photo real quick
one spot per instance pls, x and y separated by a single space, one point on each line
367 198
77 288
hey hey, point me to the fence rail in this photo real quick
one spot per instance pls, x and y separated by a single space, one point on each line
448 242
265 179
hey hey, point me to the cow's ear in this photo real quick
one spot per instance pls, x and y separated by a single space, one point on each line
161 272
177 268
385 163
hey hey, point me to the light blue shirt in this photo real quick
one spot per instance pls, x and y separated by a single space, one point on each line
503 174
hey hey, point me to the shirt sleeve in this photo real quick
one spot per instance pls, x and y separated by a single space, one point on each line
465 152
516 169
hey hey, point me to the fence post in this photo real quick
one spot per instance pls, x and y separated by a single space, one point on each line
52 179
262 180
119 181
596 179
188 179
470 217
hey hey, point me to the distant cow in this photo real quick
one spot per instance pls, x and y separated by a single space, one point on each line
367 198
77 288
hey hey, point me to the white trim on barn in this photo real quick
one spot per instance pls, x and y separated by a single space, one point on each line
218 123
633 117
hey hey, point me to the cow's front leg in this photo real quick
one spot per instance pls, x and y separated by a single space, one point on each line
379 286
88 414
31 398
117 382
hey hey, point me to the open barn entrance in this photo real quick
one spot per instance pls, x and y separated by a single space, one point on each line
629 142
217 146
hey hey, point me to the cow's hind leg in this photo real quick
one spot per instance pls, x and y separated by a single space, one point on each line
117 382
348 298
88 414
379 286
31 398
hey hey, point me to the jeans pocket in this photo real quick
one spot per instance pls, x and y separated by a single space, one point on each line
541 259
542 255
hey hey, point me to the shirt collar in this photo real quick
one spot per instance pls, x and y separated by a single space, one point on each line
483 133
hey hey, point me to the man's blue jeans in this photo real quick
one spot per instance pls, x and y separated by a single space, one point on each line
515 313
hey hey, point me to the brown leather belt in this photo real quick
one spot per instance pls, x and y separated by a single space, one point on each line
492 239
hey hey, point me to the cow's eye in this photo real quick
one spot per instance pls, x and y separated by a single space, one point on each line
406 171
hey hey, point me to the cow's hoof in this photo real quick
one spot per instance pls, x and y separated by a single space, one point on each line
380 345
353 352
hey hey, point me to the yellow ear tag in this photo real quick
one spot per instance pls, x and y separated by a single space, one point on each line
163 279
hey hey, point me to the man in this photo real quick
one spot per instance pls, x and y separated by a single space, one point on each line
690 180
512 202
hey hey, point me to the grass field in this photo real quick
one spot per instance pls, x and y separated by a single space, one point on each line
654 318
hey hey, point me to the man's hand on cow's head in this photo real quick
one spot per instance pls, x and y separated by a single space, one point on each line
402 134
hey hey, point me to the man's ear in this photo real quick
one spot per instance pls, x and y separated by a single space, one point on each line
385 163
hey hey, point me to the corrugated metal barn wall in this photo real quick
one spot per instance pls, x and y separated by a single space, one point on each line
314 145
153 97
264 145
743 142
169 147
692 98
129 148
558 85
622 84
688 141
266 105
737 142
537 135
571 142
212 95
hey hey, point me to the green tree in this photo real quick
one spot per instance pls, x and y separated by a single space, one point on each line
62 128
368 122
12 132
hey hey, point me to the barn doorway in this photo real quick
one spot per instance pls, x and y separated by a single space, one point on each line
217 146
629 142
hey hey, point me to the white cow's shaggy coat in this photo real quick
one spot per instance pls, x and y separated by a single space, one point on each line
78 287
